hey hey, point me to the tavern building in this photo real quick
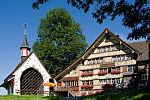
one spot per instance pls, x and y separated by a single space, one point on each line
108 64
28 76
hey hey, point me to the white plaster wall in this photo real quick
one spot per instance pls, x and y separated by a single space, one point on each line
31 62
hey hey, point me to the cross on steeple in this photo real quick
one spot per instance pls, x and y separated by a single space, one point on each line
25 25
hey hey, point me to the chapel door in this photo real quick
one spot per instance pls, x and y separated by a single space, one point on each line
31 82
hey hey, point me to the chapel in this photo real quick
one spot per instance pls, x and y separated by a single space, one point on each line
29 75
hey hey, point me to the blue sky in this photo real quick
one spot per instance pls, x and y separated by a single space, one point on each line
14 13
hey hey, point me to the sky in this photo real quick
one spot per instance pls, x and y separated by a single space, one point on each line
13 15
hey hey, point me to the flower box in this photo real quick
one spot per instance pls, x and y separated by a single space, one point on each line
83 93
108 85
90 93
115 72
87 86
86 74
102 73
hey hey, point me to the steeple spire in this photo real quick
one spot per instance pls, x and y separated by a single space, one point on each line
25 42
25 49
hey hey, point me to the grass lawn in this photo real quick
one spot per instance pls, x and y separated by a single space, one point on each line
122 95
28 97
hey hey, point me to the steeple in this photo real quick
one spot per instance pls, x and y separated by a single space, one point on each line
25 49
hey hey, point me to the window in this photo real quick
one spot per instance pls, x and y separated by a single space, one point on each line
114 58
74 71
93 61
113 68
109 70
118 80
128 57
118 58
103 69
91 70
113 81
144 77
130 68
91 83
68 83
89 61
117 68
83 82
76 83
118 47
105 81
112 48
108 48
122 57
99 50
101 60
97 60
101 81
103 49
64 83
72 83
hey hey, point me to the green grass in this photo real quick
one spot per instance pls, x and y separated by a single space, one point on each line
122 95
28 97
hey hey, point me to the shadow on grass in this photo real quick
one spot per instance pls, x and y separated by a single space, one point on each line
121 95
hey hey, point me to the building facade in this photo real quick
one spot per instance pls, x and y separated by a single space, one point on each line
28 76
108 64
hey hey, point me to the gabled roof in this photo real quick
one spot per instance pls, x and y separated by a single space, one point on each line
93 46
142 47
19 65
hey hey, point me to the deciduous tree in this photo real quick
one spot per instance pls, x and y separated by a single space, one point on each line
60 40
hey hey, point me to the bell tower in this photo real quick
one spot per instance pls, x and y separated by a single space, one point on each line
25 49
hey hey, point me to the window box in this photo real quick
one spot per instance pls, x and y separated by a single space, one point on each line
102 73
86 74
90 93
115 72
83 93
87 86
108 85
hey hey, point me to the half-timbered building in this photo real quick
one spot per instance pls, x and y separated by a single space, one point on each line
109 63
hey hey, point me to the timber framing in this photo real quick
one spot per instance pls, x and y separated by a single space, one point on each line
82 57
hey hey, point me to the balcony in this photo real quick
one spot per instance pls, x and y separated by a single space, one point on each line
108 65
66 88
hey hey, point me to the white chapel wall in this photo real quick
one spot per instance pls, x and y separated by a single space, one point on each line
31 62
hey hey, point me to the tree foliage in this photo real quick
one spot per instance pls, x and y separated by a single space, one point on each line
136 13
60 40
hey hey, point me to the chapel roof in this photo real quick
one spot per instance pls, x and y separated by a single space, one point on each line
25 43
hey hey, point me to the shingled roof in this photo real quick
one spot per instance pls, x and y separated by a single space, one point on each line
142 47
25 43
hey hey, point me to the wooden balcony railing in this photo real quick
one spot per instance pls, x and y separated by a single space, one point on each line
66 88
107 65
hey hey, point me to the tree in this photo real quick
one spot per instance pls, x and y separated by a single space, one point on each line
136 14
60 40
